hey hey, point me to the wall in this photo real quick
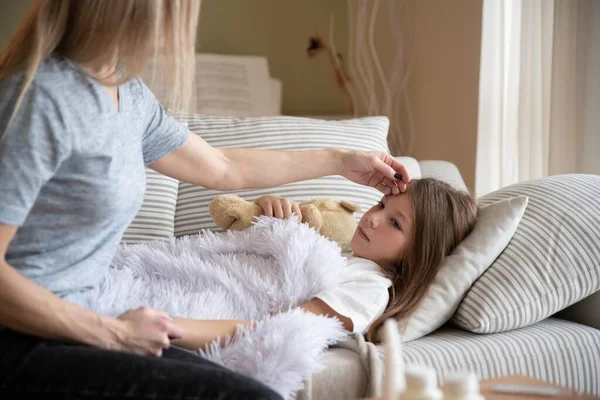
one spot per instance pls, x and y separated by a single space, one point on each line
280 30
445 46
445 84
10 12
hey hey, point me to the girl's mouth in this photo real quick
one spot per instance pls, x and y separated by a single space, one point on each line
362 234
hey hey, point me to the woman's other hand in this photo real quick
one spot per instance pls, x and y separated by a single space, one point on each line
279 207
148 331
376 169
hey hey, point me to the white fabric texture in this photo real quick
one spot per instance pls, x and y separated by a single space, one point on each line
257 274
514 86
281 133
362 296
495 227
552 261
539 90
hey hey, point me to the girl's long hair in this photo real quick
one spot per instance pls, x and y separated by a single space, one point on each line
442 217
97 33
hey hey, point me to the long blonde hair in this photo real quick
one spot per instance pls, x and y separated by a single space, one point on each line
442 217
97 33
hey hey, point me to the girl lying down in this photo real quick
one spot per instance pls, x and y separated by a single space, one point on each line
397 249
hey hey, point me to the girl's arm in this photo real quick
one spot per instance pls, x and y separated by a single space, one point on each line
319 307
199 333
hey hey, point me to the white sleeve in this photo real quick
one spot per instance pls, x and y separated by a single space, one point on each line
362 297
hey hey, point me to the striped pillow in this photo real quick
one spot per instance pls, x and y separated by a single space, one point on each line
280 133
155 219
552 261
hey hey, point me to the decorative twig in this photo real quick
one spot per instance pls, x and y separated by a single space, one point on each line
317 43
361 77
357 81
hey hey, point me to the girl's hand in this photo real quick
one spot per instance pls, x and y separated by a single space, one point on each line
148 331
378 170
279 207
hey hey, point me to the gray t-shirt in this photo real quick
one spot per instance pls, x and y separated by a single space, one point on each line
72 171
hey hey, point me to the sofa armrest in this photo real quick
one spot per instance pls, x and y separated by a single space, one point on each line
443 170
584 312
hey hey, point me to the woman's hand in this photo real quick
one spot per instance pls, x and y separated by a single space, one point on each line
376 169
148 331
279 207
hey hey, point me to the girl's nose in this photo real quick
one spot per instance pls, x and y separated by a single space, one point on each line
373 221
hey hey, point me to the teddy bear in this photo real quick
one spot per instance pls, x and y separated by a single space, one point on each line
331 218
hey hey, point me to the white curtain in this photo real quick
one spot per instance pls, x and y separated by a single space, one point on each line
539 92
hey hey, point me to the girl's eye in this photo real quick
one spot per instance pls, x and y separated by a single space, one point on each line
396 224
381 204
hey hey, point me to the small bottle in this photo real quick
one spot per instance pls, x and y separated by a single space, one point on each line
421 384
394 382
462 386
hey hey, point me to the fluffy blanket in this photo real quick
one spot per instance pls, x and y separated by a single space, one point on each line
258 274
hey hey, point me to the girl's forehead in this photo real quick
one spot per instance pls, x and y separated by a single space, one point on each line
400 204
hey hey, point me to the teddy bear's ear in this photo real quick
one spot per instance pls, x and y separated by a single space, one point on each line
312 216
232 212
221 202
350 206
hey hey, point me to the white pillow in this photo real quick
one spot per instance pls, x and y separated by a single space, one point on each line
495 226
280 133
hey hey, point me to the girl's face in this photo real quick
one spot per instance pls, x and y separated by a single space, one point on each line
385 230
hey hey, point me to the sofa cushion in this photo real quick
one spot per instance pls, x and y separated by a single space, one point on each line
156 217
495 226
443 170
280 133
552 261
557 351
560 352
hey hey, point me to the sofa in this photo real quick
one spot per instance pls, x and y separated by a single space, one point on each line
563 348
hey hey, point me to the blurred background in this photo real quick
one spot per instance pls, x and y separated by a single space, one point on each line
468 81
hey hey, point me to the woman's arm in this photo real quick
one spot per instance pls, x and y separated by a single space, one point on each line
197 162
29 308
199 333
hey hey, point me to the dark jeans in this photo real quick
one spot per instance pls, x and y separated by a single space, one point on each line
35 368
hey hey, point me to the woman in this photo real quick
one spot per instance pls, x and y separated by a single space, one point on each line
77 129
398 247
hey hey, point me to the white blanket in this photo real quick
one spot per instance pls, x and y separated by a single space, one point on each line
257 274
